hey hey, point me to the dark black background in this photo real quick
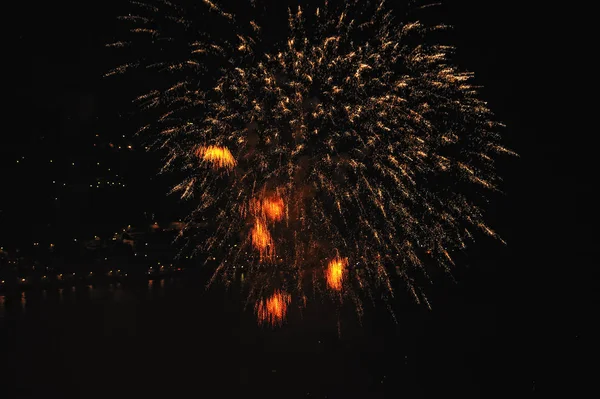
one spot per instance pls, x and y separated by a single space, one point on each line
520 320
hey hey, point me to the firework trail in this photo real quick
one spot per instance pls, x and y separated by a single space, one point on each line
339 157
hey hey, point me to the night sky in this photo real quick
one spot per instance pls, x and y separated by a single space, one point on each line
517 315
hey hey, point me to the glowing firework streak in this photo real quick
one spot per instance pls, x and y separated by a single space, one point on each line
273 310
335 272
219 157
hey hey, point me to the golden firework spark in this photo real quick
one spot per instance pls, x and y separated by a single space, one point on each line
273 310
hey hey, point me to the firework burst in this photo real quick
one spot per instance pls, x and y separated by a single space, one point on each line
343 154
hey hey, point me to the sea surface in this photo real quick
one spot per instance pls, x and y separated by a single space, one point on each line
174 338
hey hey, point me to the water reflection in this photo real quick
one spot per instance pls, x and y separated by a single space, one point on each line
155 288
114 292
149 289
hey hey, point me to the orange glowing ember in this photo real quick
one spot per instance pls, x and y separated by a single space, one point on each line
273 208
335 273
261 239
273 310
220 157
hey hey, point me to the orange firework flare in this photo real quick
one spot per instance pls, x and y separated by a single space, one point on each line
273 310
273 208
335 272
219 157
261 239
